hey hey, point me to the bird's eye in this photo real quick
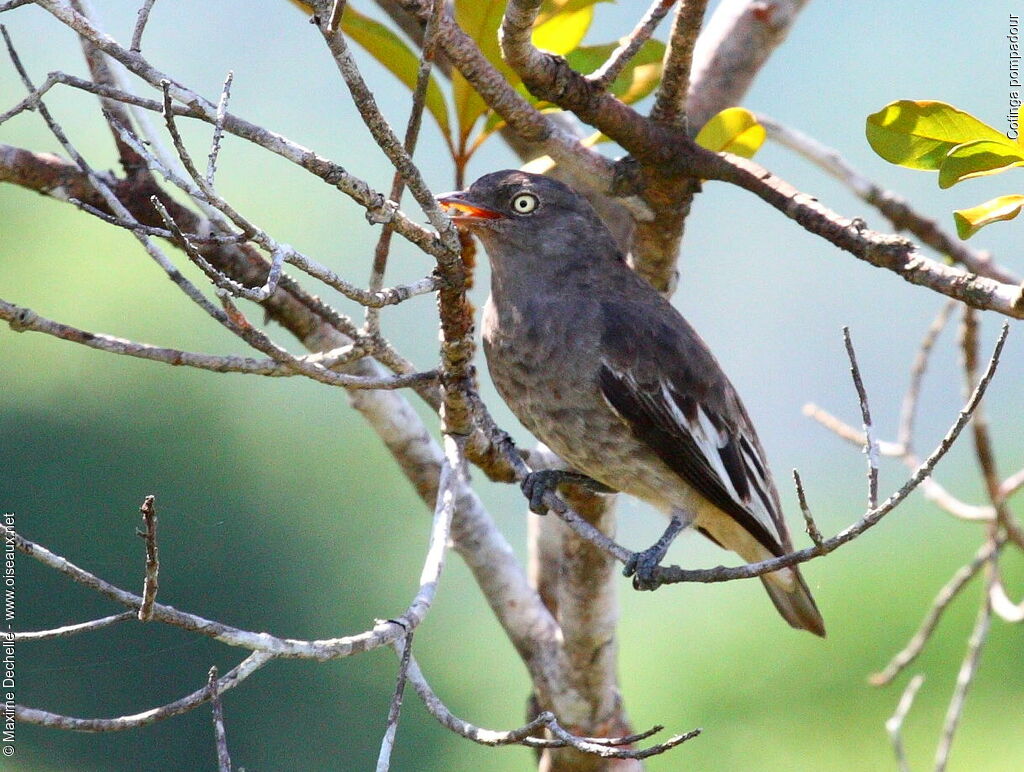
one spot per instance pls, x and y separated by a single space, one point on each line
524 203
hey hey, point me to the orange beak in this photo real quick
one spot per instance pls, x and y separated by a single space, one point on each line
463 212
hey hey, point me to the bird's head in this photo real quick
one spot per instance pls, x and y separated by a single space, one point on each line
527 207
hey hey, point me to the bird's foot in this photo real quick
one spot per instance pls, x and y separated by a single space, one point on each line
643 566
537 484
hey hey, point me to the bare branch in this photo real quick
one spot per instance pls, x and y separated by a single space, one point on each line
672 574
1012 484
811 526
69 630
140 25
629 46
23 319
383 633
908 411
894 725
945 596
894 207
387 744
377 206
12 4
871 444
849 433
598 746
982 439
220 736
230 680
218 129
151 583
386 140
932 490
670 99
1002 606
737 40
412 130
964 678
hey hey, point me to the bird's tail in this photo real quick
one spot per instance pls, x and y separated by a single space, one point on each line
789 593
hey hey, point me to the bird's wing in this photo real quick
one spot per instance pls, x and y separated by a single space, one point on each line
661 380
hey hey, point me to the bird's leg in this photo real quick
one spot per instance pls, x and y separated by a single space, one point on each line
538 483
642 565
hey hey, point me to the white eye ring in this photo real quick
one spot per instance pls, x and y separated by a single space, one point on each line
524 203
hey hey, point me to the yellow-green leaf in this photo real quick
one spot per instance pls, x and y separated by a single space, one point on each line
970 221
563 31
918 135
734 130
977 159
636 81
480 20
549 8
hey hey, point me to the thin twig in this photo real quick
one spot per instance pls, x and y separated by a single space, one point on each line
387 743
894 726
12 4
983 450
412 131
151 583
964 678
871 445
945 596
908 411
218 129
377 206
812 527
230 680
892 206
383 633
629 46
386 140
1002 606
69 630
219 735
23 319
1012 484
670 101
932 490
673 574
140 26
604 747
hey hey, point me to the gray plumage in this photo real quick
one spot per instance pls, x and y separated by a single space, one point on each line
604 370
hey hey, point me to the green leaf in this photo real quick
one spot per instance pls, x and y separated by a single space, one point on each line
734 130
389 49
978 159
918 135
563 31
970 221
637 80
480 19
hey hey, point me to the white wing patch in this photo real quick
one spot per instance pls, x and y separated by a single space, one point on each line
711 440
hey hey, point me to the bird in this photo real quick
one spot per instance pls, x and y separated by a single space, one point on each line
608 374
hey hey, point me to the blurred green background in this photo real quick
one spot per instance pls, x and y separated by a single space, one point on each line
280 511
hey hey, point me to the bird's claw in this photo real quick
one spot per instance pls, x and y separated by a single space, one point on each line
643 566
536 484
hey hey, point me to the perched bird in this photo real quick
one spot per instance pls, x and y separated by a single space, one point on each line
608 374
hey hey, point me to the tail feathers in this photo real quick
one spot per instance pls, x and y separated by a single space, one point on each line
793 600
